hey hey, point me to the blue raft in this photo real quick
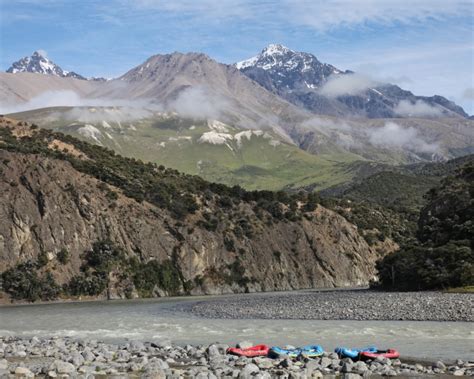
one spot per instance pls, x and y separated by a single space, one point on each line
310 351
345 352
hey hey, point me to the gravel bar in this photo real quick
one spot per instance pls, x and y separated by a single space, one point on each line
77 358
341 305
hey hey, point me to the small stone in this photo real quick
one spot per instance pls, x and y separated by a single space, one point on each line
347 367
52 374
263 375
3 364
351 376
316 374
213 351
459 372
263 363
325 362
250 369
23 371
64 367
440 365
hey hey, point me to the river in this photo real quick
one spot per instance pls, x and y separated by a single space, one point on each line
164 320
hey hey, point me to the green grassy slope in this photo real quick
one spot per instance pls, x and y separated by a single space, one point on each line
263 161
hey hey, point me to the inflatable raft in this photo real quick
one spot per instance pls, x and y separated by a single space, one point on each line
389 353
310 351
344 352
254 351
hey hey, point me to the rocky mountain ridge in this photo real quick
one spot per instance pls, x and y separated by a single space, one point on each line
39 63
300 78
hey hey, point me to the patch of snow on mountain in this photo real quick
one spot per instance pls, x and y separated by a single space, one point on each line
276 49
215 138
90 131
106 125
218 126
247 63
245 134
377 92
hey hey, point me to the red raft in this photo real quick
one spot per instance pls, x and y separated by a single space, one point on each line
254 351
389 353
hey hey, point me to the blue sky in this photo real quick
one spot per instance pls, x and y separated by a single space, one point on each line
426 46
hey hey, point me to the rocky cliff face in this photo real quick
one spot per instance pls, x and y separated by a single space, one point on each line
48 206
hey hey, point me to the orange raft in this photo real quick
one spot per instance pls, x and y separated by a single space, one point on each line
254 351
389 353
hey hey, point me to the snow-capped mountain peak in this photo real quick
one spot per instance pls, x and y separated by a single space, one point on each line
287 68
276 49
273 51
39 63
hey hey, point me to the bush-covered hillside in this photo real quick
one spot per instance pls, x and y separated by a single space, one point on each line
442 255
163 187
80 220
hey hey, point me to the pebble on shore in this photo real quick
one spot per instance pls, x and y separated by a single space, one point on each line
67 357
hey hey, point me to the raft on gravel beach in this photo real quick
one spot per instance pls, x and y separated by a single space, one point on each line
67 357
345 352
310 351
253 351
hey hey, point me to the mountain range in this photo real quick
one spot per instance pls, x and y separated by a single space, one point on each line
322 88
215 120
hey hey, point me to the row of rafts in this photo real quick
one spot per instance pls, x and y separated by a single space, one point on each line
312 351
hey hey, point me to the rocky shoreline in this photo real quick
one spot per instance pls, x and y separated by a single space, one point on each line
342 305
67 357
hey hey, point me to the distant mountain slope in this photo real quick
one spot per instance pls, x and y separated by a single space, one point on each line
80 220
219 152
403 187
322 88
17 90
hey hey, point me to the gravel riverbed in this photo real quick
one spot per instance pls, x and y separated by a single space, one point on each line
66 357
342 305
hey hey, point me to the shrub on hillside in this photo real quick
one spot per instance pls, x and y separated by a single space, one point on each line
22 282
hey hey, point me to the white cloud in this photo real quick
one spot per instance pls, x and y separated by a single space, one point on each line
417 109
468 93
348 84
324 15
392 135
321 15
130 109
199 103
